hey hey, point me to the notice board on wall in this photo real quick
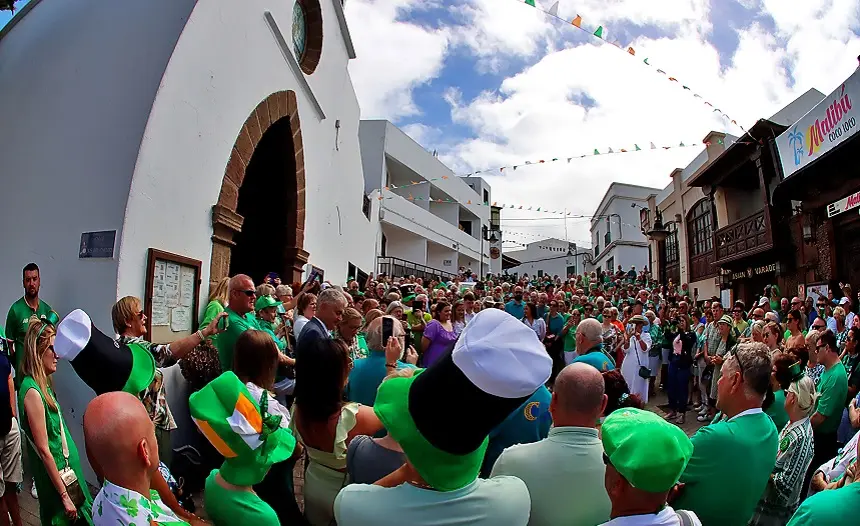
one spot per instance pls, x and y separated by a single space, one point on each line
171 296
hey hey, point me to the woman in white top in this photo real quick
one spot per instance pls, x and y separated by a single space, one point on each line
636 345
306 309
458 317
533 321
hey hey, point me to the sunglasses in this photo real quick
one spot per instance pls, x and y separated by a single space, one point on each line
818 326
141 314
249 293
51 348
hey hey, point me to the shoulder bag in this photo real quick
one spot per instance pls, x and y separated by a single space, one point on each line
67 474
644 372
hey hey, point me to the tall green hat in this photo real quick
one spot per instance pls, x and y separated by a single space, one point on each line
247 436
102 363
650 453
442 416
796 372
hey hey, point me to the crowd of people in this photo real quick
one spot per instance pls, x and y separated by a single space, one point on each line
503 401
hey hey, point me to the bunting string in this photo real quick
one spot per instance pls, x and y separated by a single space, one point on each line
595 152
600 33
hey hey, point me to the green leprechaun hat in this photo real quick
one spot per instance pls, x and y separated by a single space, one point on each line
442 415
102 363
244 433
265 301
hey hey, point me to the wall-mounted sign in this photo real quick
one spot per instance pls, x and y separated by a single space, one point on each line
97 244
447 263
826 125
755 271
843 205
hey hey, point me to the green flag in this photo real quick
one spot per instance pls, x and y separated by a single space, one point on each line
596 152
531 3
599 32
637 147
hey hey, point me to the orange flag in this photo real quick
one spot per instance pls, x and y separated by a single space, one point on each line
631 51
577 21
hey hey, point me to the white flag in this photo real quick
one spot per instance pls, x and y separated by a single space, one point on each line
554 9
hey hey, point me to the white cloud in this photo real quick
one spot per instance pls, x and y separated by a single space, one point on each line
531 114
394 56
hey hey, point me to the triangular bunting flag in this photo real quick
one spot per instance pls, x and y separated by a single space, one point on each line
720 141
646 62
696 96
502 169
515 167
623 150
568 159
554 9
528 162
555 158
631 51
661 71
599 32
531 3
469 202
444 177
541 161
577 21
637 147
530 208
734 121
596 152
521 207
653 147
682 143
610 151
685 87
673 79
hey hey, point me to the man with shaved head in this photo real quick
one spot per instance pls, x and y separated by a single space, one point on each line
121 446
240 317
564 472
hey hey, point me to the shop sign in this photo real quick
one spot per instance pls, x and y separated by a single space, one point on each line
843 205
754 271
97 244
827 125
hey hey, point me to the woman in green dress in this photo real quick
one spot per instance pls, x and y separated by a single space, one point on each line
42 421
216 305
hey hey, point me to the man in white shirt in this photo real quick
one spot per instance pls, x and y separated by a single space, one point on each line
564 472
644 456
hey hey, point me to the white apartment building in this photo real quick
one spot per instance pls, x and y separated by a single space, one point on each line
550 257
616 236
433 227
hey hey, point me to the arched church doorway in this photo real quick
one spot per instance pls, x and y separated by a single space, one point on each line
268 205
258 222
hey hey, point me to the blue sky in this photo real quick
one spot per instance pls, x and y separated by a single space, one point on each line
489 83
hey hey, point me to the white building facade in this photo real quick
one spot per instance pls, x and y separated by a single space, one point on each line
430 221
224 135
616 236
549 257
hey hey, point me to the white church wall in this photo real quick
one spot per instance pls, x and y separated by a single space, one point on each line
72 116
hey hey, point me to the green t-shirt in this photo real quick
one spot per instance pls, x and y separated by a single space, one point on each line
227 339
776 411
829 508
570 338
224 506
17 322
270 327
833 387
726 493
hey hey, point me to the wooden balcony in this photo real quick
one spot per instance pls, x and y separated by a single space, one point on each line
702 266
743 238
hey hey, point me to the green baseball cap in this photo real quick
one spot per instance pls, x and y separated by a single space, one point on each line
265 302
647 451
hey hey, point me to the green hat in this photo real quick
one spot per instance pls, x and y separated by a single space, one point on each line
247 436
265 301
647 451
102 363
496 365
796 372
725 318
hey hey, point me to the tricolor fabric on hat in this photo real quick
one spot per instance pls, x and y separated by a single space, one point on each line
725 318
103 364
442 416
650 453
638 318
241 429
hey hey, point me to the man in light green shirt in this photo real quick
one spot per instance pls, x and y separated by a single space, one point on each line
18 319
833 390
564 472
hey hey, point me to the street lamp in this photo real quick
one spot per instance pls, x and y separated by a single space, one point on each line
492 239
659 232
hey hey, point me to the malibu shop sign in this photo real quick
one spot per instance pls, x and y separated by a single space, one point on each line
827 125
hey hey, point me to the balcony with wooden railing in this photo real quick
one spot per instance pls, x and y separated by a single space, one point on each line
702 266
744 237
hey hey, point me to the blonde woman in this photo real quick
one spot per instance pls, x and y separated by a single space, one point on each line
217 304
49 439
782 495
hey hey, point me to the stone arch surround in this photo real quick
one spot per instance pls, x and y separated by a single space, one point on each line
226 222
